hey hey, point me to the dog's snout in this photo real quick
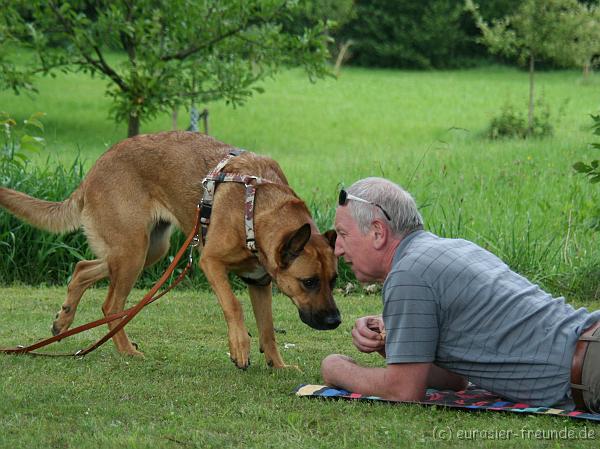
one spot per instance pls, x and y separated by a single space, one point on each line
322 320
333 320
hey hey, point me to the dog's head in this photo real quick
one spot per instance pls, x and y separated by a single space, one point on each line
306 272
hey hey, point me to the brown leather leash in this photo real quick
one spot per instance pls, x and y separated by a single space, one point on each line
126 315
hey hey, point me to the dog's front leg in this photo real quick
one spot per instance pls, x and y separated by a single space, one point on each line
239 341
261 298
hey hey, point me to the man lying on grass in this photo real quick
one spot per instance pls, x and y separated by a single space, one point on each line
453 312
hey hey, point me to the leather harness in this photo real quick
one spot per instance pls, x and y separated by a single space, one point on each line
216 176
203 212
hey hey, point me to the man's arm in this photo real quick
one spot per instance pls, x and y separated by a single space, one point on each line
442 379
398 382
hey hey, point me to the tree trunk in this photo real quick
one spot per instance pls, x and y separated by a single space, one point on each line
133 127
340 57
586 71
531 95
174 117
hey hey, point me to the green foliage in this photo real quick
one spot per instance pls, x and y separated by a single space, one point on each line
537 29
27 254
586 22
382 122
591 169
176 51
511 123
12 76
542 29
392 33
17 143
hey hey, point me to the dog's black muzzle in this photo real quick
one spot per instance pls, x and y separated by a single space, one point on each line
321 320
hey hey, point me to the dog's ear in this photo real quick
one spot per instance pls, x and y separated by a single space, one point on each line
331 236
294 244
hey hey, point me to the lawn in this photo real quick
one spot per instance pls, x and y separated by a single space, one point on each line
186 393
424 130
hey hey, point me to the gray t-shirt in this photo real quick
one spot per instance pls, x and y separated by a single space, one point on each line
451 302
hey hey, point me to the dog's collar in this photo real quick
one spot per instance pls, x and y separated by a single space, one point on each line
215 176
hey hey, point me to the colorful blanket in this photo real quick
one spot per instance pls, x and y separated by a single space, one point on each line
473 398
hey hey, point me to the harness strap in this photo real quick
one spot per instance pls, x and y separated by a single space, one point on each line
210 182
209 193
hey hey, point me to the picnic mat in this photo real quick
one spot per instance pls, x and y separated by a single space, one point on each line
471 399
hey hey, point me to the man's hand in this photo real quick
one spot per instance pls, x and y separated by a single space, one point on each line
368 334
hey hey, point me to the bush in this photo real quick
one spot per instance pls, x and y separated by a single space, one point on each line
27 254
511 123
591 170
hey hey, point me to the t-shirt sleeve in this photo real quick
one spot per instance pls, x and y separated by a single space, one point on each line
411 319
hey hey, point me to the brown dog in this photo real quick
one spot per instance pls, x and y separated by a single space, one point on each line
140 188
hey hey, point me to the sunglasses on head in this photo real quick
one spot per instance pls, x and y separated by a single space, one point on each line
345 196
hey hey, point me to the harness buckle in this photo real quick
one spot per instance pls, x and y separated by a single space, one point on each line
195 241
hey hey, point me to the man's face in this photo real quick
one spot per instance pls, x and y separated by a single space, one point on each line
356 248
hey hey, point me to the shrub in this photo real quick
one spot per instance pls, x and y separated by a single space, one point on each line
27 254
591 170
511 123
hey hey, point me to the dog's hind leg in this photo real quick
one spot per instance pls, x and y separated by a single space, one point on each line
86 273
125 265
239 341
261 298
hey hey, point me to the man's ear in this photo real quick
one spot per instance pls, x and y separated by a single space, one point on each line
331 236
380 233
294 244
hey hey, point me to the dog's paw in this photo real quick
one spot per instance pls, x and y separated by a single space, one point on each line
239 349
283 366
133 353
57 328
62 320
243 366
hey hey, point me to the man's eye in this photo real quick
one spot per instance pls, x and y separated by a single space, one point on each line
311 283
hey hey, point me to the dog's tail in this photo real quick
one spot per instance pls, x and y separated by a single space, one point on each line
51 216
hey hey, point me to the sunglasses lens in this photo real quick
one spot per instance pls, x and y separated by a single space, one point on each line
342 198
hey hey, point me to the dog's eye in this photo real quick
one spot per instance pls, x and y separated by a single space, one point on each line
311 283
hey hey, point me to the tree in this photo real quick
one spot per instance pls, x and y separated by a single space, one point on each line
407 33
587 29
168 51
538 29
11 75
334 12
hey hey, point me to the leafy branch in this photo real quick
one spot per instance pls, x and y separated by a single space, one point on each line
591 170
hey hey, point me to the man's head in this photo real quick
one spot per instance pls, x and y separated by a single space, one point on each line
373 216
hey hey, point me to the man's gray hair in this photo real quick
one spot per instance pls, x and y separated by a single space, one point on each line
396 201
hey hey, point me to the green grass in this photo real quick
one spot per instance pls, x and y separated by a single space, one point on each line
424 130
186 393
